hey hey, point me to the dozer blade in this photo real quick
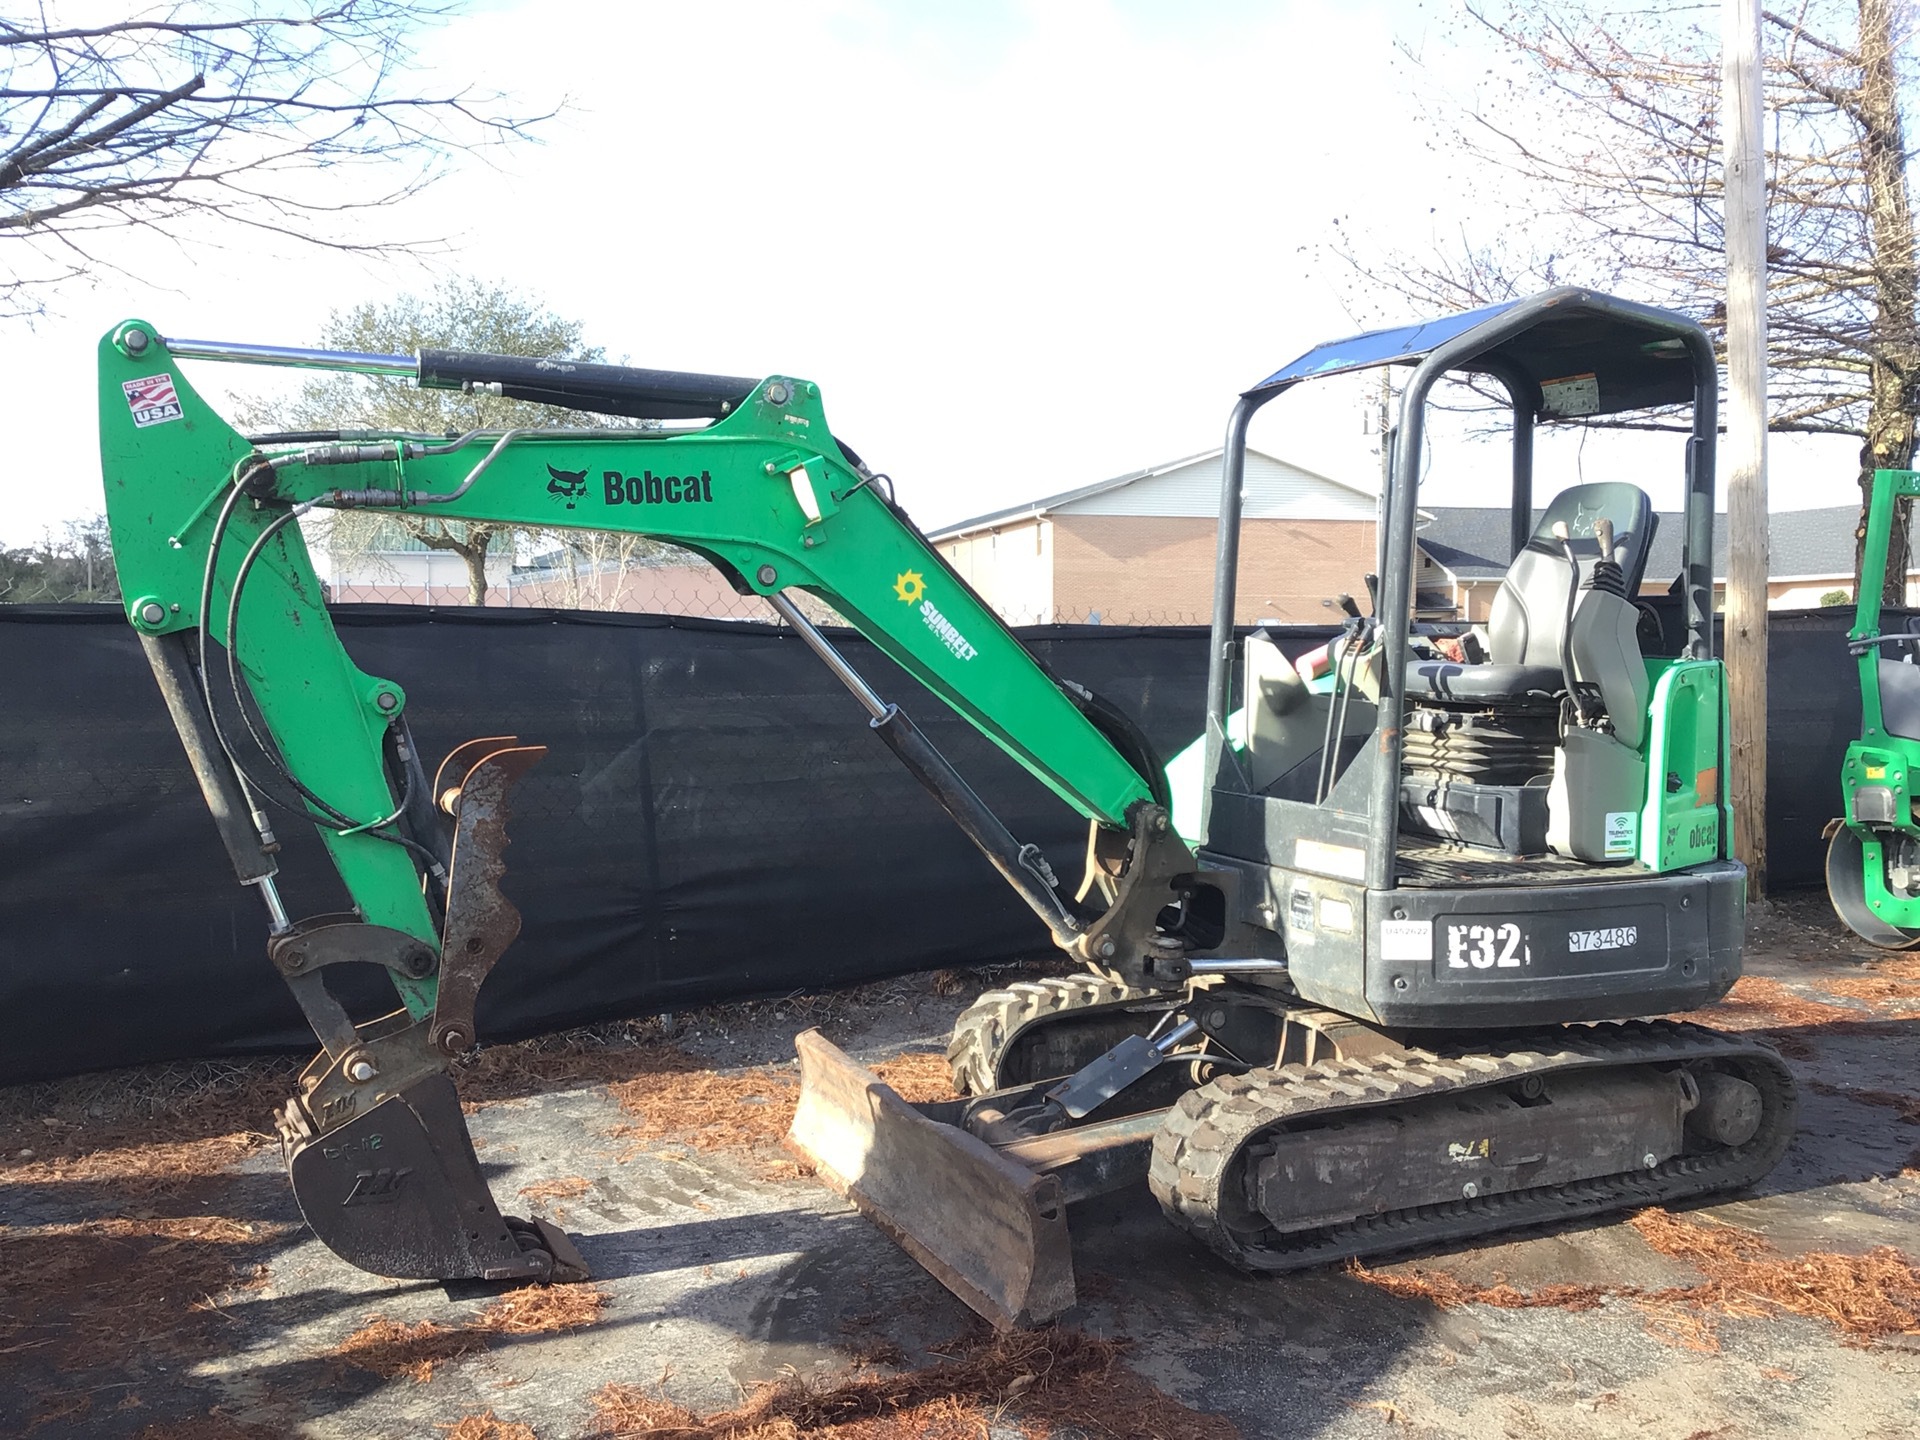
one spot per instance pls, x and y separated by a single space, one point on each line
988 1229
398 1191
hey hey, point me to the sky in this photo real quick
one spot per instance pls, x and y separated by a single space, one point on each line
1022 245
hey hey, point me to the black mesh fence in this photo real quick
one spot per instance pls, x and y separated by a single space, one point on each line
712 820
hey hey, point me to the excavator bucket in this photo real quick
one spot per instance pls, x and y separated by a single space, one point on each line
990 1230
398 1191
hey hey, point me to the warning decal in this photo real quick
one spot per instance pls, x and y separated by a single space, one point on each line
152 400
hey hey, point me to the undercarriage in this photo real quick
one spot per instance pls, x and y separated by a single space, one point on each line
1278 1134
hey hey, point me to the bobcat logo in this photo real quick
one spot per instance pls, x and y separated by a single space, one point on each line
567 485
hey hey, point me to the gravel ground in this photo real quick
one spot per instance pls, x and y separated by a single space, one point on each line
174 1297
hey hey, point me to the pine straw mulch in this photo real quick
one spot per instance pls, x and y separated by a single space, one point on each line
1034 1382
1802 928
641 1049
675 1096
1789 1021
919 1077
159 1138
95 1288
487 1426
1866 1298
565 1187
1757 1002
150 1274
390 1349
74 1297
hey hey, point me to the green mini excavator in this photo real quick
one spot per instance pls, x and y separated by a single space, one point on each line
1373 977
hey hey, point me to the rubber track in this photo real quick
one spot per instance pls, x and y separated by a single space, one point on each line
1198 1176
986 1028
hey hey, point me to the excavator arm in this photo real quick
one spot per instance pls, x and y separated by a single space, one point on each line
281 725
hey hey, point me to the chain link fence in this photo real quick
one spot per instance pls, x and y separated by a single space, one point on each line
624 574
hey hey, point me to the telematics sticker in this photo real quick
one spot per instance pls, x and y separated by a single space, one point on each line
1570 395
1623 834
152 400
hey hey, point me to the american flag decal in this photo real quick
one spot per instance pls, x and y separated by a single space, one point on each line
152 400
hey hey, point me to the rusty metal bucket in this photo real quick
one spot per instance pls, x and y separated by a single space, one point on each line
398 1191
990 1230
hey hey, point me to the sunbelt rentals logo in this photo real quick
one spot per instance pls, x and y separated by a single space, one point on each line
911 587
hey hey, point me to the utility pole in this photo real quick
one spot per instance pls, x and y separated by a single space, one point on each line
1742 106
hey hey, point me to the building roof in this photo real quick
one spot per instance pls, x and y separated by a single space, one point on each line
1034 509
1809 542
1471 541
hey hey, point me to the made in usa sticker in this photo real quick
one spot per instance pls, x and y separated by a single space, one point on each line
153 400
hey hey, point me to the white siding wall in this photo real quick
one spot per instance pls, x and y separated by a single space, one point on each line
1274 490
1011 568
1804 592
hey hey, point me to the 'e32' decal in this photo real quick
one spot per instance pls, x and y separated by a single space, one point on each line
1487 947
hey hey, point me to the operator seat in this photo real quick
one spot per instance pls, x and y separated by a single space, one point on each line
1529 614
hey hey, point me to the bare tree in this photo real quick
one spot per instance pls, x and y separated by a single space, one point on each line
195 111
469 315
593 569
1610 126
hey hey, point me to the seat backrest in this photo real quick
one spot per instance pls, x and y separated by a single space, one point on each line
1529 611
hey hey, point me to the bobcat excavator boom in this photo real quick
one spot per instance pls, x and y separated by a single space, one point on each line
1353 997
276 717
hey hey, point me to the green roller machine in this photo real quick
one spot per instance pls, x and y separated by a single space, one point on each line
1873 851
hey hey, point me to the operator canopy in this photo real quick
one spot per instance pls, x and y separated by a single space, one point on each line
1586 354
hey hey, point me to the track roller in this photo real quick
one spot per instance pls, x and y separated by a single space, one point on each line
1038 1029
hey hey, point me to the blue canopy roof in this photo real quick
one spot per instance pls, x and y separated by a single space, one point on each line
1400 346
1584 353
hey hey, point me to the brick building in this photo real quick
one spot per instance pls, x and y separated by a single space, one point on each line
1139 548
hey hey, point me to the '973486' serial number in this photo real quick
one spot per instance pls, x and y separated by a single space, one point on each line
1494 946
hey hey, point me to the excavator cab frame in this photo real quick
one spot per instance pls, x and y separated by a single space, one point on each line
1364 907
